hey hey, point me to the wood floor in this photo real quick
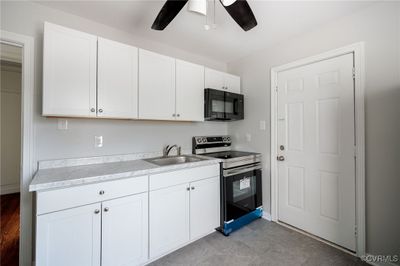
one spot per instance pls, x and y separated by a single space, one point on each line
9 228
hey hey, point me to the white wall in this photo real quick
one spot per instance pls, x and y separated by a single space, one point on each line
379 27
119 136
10 126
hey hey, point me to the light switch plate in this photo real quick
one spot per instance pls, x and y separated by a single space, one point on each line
263 125
248 137
98 141
62 124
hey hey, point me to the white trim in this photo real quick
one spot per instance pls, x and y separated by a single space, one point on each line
359 61
9 189
267 216
27 143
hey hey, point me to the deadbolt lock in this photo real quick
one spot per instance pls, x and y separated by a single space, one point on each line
280 158
282 147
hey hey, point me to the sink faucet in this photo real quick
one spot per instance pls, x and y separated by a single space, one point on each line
168 148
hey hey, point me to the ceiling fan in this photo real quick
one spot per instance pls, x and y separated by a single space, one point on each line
239 10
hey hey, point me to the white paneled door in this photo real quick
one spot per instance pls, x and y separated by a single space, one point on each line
316 168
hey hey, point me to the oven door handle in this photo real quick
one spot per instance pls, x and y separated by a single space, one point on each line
240 170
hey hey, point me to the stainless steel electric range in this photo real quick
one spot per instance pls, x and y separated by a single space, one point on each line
241 192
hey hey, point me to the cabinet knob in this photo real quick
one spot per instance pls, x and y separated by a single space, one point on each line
193 188
178 115
101 192
100 110
188 188
96 211
173 115
92 110
106 209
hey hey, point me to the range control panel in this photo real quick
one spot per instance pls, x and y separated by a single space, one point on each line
223 140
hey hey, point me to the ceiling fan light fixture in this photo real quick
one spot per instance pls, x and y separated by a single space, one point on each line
227 2
198 6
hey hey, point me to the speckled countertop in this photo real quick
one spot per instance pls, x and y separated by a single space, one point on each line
71 173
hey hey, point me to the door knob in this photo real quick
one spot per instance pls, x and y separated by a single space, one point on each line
280 158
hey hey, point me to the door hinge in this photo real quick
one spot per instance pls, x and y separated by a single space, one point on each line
355 230
354 73
355 151
276 88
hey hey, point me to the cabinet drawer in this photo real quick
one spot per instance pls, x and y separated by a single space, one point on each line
59 199
183 176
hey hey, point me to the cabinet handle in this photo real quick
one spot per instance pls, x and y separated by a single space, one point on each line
100 110
101 192
96 211
92 110
188 188
106 209
178 115
173 115
193 188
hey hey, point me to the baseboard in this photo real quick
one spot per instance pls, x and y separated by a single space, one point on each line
267 216
378 263
8 189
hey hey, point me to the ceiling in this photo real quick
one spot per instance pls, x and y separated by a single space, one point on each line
277 22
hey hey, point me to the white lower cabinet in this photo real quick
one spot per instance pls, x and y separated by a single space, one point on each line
204 207
125 231
126 222
181 213
69 237
109 233
169 219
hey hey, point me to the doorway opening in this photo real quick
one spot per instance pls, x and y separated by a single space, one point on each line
10 155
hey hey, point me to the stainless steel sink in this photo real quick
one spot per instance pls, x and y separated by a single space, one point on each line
170 160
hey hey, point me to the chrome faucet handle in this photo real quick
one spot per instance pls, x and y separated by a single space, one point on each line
165 150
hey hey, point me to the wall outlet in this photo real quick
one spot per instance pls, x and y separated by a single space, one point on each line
98 141
62 124
248 137
263 125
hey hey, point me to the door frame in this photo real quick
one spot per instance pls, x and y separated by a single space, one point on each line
27 167
357 50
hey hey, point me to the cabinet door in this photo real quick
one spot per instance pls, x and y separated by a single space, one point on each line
125 231
214 79
156 86
117 80
169 219
69 237
189 91
204 207
232 83
69 72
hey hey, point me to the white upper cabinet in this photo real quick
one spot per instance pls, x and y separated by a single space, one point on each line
156 86
189 91
214 79
232 83
69 72
117 80
221 81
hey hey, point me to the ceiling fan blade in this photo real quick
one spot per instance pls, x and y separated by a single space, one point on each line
241 12
167 13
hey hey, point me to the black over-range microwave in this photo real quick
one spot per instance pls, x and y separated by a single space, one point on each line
222 105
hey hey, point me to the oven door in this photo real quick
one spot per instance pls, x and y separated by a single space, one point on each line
242 191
